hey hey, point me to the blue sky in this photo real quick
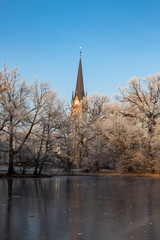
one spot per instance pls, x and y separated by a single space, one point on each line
120 39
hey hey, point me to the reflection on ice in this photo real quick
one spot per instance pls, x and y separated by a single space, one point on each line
72 208
3 204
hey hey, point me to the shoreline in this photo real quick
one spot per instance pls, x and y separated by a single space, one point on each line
80 174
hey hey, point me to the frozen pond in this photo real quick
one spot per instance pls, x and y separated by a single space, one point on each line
74 208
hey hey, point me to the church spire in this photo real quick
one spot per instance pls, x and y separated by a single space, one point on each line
80 86
77 104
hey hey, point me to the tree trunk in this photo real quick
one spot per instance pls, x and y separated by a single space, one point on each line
39 152
40 169
80 159
10 167
36 168
11 150
149 151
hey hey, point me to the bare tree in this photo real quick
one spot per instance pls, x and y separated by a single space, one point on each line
94 140
125 140
142 100
65 150
21 114
46 132
94 106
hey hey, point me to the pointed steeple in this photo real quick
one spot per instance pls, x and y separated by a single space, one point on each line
79 86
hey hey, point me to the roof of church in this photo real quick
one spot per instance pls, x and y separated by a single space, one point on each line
79 86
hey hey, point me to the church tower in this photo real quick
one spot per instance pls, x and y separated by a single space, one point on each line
79 94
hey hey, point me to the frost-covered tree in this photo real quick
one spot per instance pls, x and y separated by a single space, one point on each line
156 146
41 143
142 101
79 136
116 141
94 106
20 106
125 139
94 139
65 153
96 146
3 87
46 132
